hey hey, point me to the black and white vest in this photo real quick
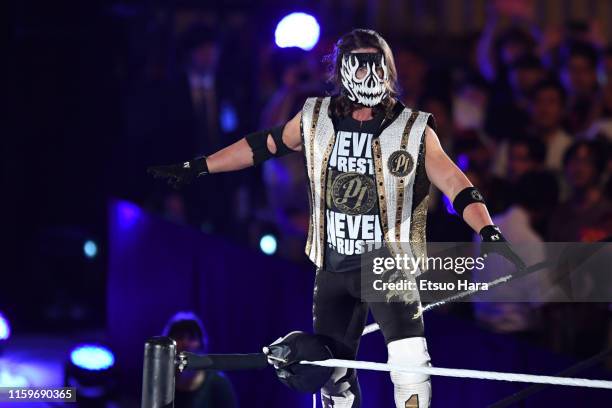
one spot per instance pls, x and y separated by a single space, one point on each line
401 181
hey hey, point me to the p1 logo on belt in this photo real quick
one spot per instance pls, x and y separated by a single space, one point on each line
400 163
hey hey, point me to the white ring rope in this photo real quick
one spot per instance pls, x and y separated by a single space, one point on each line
463 373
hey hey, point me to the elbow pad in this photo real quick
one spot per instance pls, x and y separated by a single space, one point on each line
466 197
258 141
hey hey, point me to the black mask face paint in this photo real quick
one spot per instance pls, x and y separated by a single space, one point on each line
364 77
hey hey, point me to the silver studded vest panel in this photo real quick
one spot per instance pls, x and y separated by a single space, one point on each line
401 182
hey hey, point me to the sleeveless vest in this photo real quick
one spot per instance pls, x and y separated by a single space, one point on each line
401 181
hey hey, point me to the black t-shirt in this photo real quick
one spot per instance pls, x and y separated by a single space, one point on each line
351 214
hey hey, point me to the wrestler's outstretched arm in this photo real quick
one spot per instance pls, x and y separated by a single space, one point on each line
248 151
240 155
467 200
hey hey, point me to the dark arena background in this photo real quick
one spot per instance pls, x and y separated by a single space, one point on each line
97 256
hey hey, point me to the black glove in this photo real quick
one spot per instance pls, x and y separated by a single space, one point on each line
178 175
494 242
286 353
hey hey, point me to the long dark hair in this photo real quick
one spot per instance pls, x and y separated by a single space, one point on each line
341 105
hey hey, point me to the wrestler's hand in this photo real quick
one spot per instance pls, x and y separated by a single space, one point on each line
494 242
178 175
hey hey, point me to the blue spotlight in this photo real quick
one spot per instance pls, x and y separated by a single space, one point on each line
128 214
92 357
297 30
268 244
90 249
91 370
9 378
5 328
228 117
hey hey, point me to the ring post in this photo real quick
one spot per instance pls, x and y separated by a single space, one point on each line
158 373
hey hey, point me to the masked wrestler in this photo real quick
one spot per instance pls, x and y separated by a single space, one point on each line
370 161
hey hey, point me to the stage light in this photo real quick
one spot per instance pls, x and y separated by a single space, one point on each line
128 214
268 244
90 249
91 369
5 328
228 118
297 30
92 357
11 379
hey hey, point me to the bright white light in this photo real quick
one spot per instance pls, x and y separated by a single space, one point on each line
297 30
92 357
267 244
5 329
90 249
10 379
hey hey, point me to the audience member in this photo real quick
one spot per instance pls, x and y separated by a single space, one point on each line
525 154
197 388
203 112
507 112
586 216
602 126
546 116
579 75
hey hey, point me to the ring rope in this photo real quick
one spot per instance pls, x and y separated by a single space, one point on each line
464 373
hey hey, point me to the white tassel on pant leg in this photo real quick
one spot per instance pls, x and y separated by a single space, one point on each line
408 387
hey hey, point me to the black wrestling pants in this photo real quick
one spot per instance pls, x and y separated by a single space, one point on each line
340 315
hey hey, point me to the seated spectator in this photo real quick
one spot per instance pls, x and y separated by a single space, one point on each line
517 156
546 112
587 215
535 192
602 127
525 154
507 112
579 75
197 388
498 49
